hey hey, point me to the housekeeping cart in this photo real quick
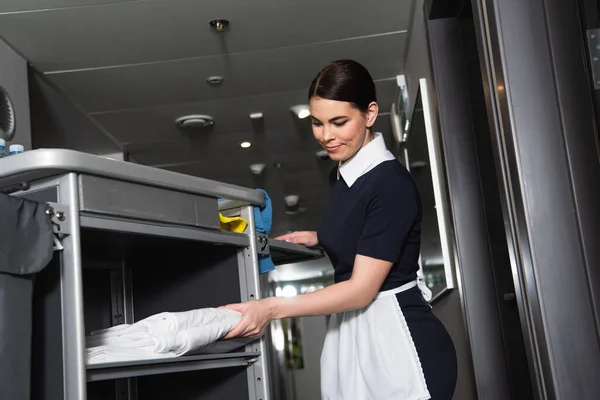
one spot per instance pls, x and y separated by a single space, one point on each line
134 241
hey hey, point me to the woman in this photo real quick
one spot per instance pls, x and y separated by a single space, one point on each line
383 341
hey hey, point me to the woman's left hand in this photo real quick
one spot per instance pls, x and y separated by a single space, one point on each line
256 315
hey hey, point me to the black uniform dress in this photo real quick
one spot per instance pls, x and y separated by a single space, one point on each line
379 216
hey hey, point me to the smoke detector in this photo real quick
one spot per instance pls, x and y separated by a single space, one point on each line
197 121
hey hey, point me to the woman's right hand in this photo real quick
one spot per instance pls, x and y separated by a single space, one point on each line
305 238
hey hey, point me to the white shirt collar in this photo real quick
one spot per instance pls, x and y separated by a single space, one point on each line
371 155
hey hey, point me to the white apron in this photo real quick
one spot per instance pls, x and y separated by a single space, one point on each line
369 353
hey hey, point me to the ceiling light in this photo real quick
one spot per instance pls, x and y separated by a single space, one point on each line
322 154
245 145
417 164
292 205
195 121
215 80
301 110
289 291
257 169
257 116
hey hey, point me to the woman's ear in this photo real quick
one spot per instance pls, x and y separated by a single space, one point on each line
372 113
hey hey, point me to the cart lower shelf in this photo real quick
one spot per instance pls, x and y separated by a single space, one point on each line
130 369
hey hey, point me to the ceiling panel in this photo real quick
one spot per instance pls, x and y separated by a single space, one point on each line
43 5
155 125
298 152
233 164
245 74
148 31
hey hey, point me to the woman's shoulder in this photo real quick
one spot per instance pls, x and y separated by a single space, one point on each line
391 176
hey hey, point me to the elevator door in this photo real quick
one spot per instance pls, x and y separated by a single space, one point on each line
488 292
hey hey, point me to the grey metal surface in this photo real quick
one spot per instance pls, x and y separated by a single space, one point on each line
130 384
72 295
258 374
227 205
468 211
286 253
581 137
547 156
593 38
166 366
43 163
102 196
176 232
41 194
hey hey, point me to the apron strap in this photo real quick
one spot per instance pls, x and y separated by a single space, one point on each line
397 290
420 282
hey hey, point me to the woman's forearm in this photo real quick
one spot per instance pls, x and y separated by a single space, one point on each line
367 277
343 296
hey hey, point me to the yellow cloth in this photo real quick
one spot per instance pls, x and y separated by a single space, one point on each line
233 224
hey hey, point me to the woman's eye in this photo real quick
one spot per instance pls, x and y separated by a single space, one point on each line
316 123
338 124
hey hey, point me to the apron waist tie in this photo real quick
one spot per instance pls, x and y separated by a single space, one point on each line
407 286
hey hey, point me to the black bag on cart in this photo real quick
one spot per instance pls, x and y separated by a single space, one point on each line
26 247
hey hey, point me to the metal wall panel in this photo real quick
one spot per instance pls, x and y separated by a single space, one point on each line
541 116
472 247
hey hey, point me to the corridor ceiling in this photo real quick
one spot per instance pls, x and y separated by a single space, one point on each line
135 66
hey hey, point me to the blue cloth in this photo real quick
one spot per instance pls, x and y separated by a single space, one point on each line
263 221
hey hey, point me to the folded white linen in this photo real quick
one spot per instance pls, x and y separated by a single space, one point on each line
173 322
165 335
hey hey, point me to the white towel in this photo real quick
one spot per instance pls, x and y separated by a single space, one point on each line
165 335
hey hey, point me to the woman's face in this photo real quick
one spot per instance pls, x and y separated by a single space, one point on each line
340 127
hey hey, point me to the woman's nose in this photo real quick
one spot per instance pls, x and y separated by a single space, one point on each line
327 134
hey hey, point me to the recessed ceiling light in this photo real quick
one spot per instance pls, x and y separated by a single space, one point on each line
322 154
245 145
301 110
258 168
196 121
215 80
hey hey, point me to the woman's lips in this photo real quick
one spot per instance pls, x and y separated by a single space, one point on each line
332 149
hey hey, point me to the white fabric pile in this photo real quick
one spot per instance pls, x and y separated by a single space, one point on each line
165 335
